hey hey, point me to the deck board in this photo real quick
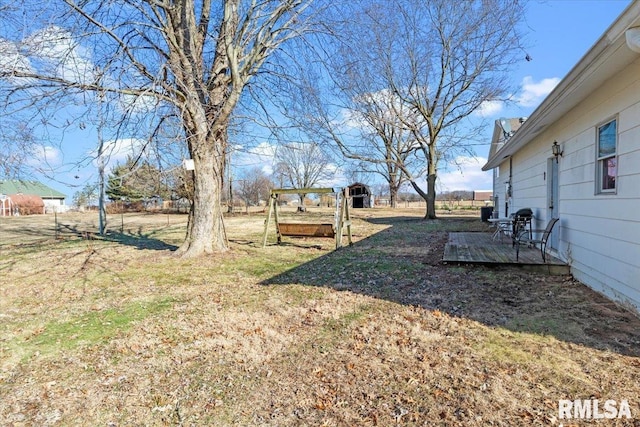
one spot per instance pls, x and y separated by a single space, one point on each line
480 248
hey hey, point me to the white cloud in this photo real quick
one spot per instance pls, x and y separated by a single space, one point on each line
534 92
489 108
468 177
117 151
44 157
137 104
260 156
349 120
387 105
336 177
55 49
11 59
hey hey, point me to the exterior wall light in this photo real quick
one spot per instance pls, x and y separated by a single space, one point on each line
556 150
633 38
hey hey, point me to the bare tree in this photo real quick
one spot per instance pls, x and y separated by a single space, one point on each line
384 146
427 66
253 187
184 59
87 196
17 146
302 165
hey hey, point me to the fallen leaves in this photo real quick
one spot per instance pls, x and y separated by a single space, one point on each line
377 334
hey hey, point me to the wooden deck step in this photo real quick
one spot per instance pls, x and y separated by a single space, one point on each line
480 248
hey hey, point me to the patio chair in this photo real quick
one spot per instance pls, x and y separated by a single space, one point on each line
521 219
524 238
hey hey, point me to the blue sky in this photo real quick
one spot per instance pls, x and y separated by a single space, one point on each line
560 32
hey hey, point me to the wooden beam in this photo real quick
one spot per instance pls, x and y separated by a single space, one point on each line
309 190
272 201
306 229
310 229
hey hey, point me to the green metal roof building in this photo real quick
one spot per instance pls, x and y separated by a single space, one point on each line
22 195
29 188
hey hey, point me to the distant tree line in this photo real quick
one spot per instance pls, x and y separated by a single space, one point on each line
458 195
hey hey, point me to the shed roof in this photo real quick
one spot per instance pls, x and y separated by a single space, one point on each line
18 186
359 184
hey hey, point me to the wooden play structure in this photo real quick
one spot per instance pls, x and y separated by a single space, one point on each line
342 217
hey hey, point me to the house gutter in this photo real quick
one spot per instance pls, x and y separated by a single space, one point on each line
559 101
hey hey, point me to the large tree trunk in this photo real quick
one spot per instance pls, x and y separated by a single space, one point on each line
393 196
431 181
394 183
205 231
431 197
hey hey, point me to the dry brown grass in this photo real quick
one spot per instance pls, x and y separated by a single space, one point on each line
120 332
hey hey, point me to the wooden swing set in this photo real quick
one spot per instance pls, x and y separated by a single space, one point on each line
342 217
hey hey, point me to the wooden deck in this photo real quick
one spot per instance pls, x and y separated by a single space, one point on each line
480 248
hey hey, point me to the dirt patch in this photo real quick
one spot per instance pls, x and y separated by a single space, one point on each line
120 332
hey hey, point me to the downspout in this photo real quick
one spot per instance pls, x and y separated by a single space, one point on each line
509 188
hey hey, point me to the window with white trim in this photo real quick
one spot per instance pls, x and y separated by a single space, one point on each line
607 161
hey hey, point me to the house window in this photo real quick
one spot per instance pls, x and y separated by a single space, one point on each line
607 160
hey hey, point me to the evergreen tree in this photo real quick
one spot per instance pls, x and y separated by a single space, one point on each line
136 181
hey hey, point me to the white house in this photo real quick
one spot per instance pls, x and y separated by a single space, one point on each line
593 184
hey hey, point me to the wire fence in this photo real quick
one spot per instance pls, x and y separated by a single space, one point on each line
33 229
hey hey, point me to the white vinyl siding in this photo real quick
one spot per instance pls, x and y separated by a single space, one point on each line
599 236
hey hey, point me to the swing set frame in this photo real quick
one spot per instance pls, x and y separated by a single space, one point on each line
305 229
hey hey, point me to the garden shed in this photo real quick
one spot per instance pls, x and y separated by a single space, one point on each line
360 195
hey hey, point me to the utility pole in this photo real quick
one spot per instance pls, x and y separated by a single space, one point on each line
102 214
230 178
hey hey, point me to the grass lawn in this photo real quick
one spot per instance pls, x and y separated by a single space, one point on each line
119 332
